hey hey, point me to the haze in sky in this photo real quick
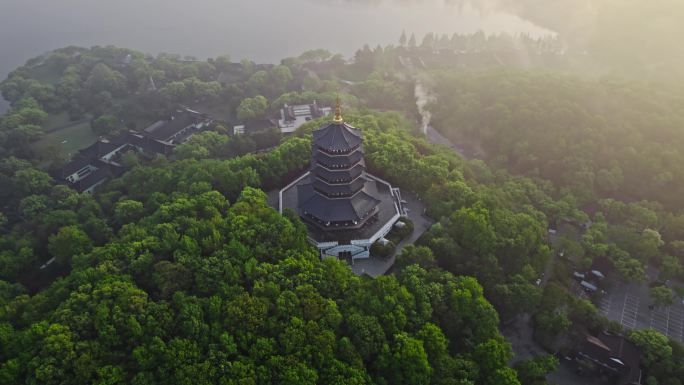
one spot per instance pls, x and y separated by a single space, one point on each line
262 30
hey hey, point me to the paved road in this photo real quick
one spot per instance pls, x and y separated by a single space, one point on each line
379 266
566 374
435 137
521 336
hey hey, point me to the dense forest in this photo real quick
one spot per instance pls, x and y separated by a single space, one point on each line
165 281
202 292
606 138
180 272
179 285
610 146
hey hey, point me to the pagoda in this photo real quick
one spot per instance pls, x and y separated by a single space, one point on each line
337 197
345 208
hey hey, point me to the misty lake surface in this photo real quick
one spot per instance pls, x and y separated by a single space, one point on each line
262 30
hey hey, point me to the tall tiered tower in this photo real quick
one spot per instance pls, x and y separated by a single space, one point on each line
339 199
344 208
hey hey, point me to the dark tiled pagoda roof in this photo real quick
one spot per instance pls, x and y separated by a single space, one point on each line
338 190
333 175
337 137
383 213
337 196
354 209
338 161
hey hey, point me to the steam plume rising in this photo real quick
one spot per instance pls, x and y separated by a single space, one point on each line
423 98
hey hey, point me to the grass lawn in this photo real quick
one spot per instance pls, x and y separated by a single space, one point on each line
70 139
56 120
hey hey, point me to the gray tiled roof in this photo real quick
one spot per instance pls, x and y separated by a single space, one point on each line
338 189
92 179
352 158
607 347
99 149
165 129
333 174
336 210
75 165
149 145
384 212
337 137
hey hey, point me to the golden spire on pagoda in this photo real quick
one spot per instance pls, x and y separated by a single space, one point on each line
338 112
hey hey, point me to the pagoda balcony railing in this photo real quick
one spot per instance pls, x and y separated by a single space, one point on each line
339 181
341 225
358 150
345 195
331 152
338 167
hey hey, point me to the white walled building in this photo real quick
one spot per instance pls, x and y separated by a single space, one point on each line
293 117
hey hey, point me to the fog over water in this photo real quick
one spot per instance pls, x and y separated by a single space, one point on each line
262 30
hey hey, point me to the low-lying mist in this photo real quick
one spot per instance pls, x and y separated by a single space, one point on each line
642 37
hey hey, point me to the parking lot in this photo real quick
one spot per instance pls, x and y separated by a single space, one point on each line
669 321
629 305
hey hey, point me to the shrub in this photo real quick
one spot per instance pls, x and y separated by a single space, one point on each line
383 251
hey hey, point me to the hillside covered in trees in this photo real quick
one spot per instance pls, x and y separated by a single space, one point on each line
184 281
607 138
200 291
179 272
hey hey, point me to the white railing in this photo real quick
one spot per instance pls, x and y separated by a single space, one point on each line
353 249
361 242
326 245
385 229
280 193
379 180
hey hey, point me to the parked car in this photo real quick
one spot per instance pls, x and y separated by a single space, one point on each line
588 287
597 274
579 275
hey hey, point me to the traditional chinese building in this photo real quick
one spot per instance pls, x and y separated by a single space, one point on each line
293 117
345 208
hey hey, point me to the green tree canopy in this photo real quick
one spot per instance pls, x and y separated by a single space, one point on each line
252 108
104 125
68 242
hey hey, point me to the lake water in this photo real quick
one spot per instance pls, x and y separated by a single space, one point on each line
262 30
